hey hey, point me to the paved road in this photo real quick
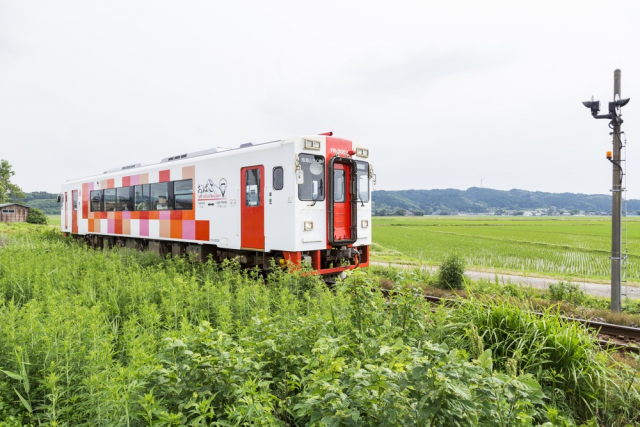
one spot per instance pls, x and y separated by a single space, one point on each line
597 289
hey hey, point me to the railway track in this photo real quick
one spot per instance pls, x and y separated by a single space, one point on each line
621 338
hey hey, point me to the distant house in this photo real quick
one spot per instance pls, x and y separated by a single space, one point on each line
13 212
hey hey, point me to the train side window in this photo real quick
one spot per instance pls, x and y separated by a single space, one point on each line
183 194
160 197
110 200
313 169
338 185
124 201
141 197
252 187
278 178
96 201
75 200
363 181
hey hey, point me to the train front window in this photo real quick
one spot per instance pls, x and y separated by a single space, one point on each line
313 170
96 201
110 200
363 181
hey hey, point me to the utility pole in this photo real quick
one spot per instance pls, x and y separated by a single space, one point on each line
616 188
616 205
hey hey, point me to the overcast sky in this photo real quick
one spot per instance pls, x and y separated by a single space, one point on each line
443 93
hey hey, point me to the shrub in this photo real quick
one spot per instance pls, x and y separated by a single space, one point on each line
36 216
567 292
451 273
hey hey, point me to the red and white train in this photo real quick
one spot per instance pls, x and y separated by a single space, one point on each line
300 199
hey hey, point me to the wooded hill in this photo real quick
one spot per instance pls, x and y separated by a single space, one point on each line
485 200
42 200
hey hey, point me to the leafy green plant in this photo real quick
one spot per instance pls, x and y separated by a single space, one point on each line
451 273
36 216
563 357
566 291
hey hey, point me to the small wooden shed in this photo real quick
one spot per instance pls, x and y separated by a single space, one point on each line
13 212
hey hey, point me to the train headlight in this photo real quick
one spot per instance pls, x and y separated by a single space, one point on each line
311 145
308 225
362 152
364 223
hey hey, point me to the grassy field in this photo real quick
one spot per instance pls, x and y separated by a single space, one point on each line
54 219
122 338
571 248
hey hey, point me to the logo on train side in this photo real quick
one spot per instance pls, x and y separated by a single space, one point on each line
212 194
338 151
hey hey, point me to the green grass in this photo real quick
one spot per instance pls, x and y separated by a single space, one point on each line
121 338
54 219
568 248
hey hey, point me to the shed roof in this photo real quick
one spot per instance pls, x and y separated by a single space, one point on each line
4 205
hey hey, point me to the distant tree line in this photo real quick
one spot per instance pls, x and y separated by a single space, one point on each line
48 206
485 200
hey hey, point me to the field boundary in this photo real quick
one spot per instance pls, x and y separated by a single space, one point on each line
591 288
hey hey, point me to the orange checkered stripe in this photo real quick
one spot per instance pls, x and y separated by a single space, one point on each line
172 224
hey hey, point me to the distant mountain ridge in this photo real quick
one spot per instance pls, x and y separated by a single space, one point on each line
484 200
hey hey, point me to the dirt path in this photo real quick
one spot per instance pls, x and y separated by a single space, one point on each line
597 289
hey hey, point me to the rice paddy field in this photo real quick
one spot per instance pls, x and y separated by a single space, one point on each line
53 219
570 248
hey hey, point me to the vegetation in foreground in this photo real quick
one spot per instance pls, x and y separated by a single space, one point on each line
124 338
567 248
568 298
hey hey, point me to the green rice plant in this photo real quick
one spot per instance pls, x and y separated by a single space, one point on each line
566 248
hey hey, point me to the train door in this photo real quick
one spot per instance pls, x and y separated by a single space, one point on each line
74 212
341 203
252 209
341 208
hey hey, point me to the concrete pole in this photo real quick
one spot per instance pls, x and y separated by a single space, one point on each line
616 208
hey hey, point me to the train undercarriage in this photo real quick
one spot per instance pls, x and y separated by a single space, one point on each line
327 262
